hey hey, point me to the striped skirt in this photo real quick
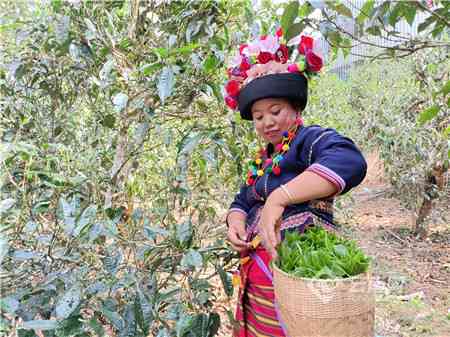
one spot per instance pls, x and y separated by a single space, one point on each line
257 314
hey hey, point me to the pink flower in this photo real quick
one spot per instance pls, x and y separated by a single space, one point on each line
231 102
232 88
264 57
293 68
306 43
314 62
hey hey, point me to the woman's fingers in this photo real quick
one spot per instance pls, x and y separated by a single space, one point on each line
236 240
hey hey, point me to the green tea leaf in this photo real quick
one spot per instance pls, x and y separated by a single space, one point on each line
289 15
428 114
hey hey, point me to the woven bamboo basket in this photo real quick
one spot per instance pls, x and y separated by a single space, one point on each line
325 308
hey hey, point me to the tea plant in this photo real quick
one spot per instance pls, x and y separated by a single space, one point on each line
321 254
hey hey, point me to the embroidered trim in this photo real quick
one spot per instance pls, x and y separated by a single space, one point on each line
329 175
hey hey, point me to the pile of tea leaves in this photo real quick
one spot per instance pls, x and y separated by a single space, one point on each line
320 254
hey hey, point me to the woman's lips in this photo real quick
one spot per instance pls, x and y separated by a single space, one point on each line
271 133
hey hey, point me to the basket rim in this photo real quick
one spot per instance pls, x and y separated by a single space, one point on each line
358 277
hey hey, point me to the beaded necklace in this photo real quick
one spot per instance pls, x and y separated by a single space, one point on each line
271 164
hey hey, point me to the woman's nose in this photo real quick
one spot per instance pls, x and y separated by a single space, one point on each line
269 121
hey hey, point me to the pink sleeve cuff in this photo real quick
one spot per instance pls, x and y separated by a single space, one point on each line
329 175
231 210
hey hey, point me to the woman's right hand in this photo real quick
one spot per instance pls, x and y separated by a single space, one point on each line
237 235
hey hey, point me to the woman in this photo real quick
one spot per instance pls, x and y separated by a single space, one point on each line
292 182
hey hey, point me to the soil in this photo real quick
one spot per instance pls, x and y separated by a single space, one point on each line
411 275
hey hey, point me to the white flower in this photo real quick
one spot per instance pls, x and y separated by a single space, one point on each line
270 44
252 49
235 60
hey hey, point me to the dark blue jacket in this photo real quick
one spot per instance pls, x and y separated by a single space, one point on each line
323 151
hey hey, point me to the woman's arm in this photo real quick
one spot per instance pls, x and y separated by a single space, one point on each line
306 186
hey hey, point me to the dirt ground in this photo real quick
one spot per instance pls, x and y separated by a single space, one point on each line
411 276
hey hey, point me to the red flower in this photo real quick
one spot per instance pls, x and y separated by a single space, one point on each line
282 54
232 88
276 170
279 32
306 43
263 37
242 47
245 64
231 102
265 57
314 62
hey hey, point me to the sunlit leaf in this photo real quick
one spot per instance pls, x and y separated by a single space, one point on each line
6 204
428 114
366 11
289 15
40 324
120 101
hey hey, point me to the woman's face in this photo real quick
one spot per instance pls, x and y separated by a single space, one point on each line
272 116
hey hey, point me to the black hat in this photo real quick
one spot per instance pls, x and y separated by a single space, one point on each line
292 86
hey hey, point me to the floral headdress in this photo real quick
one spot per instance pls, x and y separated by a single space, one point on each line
269 55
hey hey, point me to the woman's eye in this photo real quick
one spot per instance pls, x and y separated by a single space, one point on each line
258 118
276 112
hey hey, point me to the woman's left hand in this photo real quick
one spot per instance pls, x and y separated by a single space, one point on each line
270 234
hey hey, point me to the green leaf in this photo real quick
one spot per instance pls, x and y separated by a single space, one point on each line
341 9
192 259
165 83
4 247
294 30
69 302
87 218
40 324
340 250
374 30
149 69
210 63
289 15
184 232
428 114
96 325
395 14
409 12
226 281
9 305
109 121
114 318
56 4
366 11
183 325
445 88
447 132
428 21
305 10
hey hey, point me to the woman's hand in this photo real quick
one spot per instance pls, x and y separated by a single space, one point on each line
268 224
237 235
